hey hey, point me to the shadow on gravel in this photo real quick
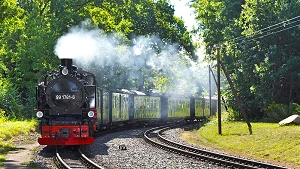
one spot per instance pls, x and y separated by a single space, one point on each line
47 152
112 141
193 126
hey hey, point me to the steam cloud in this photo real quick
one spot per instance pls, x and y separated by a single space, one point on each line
117 63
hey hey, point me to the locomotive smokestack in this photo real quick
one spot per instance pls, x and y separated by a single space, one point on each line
67 63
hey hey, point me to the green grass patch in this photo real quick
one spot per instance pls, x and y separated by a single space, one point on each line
269 141
8 131
31 165
2 158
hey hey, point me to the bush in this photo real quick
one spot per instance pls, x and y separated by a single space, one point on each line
10 100
277 112
296 108
3 118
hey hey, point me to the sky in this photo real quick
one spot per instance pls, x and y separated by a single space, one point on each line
185 12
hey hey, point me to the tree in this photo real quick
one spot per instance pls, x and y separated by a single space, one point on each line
260 59
11 26
134 19
30 29
279 50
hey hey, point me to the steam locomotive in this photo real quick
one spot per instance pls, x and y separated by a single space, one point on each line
71 107
66 106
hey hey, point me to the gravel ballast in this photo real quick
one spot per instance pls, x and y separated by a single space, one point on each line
138 154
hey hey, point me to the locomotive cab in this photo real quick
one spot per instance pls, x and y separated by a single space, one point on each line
66 106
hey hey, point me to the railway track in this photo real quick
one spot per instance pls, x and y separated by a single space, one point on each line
69 159
155 137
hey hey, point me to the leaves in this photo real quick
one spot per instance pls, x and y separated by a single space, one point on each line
261 53
29 31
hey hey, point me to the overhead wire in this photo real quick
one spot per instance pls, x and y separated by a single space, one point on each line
271 33
279 23
267 31
262 30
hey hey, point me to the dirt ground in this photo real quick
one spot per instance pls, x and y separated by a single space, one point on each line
20 158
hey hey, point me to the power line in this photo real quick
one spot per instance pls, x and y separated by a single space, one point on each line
268 29
280 23
271 33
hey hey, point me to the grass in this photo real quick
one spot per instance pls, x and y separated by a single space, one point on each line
31 165
8 131
269 141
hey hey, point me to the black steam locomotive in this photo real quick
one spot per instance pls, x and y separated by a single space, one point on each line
66 106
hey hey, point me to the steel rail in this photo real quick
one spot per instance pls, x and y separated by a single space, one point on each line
61 162
187 153
201 153
84 160
89 162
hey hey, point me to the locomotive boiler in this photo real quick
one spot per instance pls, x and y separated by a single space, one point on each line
66 106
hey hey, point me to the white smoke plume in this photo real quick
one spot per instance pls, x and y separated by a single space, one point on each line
117 63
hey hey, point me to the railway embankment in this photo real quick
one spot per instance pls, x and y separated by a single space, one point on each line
269 142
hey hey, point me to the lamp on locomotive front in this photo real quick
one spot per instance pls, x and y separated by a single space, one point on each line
39 114
91 114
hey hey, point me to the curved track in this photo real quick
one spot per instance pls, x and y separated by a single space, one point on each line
74 159
155 137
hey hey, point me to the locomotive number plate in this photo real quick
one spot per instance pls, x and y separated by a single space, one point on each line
65 97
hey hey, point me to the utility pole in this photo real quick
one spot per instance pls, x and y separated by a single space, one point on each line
209 88
219 91
219 65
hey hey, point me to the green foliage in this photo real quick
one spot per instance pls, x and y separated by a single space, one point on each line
277 112
3 117
209 14
226 116
140 17
232 115
295 108
9 101
4 148
13 128
30 29
263 66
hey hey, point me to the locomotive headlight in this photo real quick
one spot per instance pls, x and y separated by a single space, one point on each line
64 71
39 114
91 114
